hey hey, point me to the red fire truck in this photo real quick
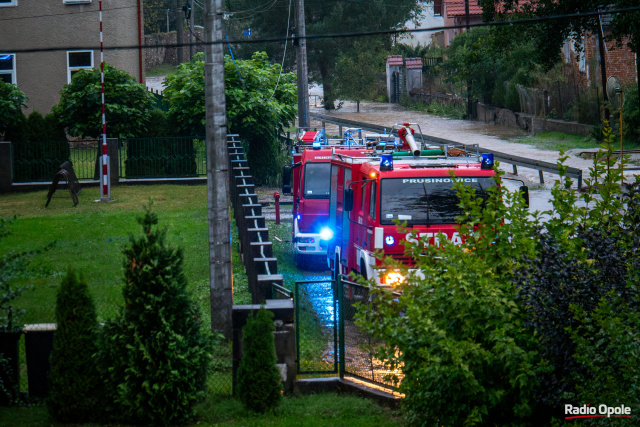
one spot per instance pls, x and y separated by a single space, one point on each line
307 179
368 194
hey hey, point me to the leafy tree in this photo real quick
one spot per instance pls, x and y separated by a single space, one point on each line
549 35
75 381
127 104
157 353
260 103
12 101
259 381
343 16
359 73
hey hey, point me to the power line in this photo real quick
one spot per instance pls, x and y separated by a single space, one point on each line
340 35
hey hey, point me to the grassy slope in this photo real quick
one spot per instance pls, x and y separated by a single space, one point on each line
91 237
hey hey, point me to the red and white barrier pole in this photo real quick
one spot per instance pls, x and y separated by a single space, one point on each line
276 196
105 194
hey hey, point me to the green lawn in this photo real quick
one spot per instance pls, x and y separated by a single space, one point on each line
313 411
91 237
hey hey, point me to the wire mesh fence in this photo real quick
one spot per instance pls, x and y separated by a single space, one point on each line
316 327
328 338
163 157
359 359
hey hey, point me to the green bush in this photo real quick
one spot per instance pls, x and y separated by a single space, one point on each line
608 355
259 381
43 149
12 101
157 353
74 380
458 335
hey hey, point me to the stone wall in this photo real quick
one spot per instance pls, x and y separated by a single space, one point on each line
508 118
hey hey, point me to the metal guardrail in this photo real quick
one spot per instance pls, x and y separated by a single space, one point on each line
515 161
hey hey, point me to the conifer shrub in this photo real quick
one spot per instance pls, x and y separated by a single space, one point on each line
43 149
156 354
259 381
74 378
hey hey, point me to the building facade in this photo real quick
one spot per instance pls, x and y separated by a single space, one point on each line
44 42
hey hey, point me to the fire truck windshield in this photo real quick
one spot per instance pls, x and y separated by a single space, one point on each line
424 201
317 182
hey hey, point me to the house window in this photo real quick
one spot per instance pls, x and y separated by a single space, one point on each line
8 67
78 60
437 7
8 3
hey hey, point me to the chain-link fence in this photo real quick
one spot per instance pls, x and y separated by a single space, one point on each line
359 359
329 340
316 327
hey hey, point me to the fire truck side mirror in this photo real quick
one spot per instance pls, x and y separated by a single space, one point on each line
347 203
286 179
524 190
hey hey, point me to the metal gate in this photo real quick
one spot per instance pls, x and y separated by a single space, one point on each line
327 338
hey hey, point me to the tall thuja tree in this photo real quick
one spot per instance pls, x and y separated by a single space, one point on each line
157 353
75 382
259 381
39 156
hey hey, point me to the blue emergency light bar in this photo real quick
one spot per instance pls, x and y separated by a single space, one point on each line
386 162
486 161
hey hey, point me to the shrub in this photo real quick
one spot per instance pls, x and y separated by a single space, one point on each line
608 355
157 353
12 101
586 261
74 379
259 381
45 147
457 334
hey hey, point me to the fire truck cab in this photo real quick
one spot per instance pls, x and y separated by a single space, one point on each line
307 179
369 194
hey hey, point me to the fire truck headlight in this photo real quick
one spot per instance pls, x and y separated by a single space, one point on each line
393 278
326 233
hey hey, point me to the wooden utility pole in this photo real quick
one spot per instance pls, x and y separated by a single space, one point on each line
301 56
603 69
179 31
469 106
220 272
192 34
